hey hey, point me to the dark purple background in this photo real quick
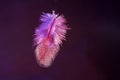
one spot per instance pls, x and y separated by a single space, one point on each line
91 51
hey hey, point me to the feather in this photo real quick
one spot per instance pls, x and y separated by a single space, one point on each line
48 37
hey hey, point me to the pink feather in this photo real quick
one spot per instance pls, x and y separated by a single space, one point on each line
48 38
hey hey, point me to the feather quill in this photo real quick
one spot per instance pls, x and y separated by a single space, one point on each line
48 37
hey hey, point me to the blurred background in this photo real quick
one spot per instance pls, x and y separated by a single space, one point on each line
90 52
